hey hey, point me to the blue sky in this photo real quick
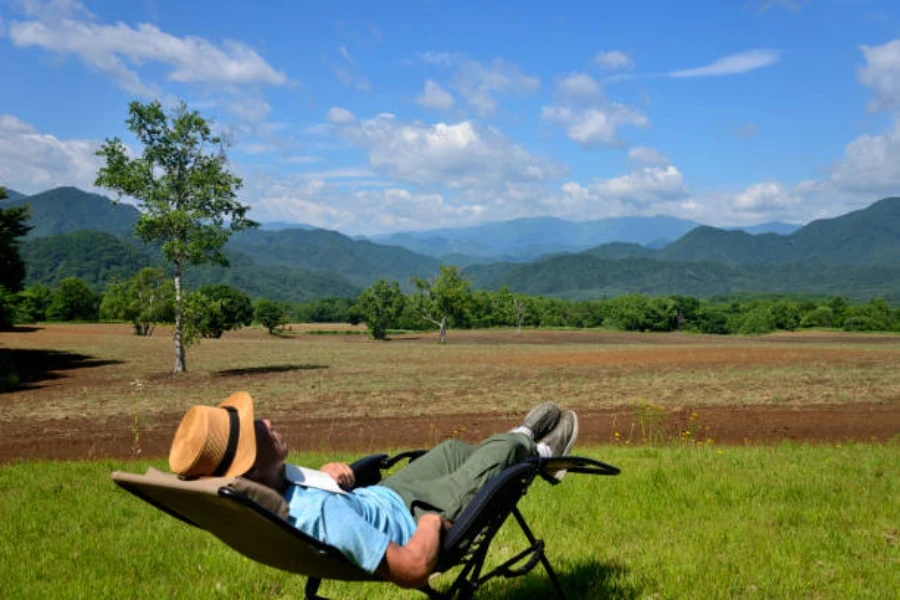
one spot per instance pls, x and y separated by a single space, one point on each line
375 117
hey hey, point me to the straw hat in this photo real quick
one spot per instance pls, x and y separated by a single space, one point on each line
216 441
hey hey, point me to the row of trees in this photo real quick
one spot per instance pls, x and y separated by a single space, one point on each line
446 301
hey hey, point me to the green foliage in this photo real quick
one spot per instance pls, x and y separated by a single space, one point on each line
73 300
12 227
184 190
145 300
270 315
331 309
200 312
875 315
32 303
444 299
7 309
820 316
94 257
758 321
379 306
227 309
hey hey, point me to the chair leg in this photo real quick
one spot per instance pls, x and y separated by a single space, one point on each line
311 592
547 567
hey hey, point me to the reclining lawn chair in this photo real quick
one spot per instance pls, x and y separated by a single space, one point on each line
252 519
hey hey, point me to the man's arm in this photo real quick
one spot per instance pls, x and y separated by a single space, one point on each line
409 566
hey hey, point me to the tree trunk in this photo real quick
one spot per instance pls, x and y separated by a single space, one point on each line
179 323
443 334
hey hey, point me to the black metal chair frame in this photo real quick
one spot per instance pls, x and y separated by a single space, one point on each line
469 539
464 545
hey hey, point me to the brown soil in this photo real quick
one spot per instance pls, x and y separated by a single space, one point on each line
96 358
119 438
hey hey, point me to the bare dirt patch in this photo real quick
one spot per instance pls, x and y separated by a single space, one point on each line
91 391
77 439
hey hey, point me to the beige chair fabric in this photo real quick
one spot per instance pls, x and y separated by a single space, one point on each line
268 539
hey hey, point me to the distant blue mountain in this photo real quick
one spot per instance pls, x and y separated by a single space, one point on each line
770 227
13 194
523 240
282 225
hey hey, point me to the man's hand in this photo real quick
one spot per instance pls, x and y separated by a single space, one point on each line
341 473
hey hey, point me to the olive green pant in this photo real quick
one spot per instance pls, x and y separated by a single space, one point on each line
449 475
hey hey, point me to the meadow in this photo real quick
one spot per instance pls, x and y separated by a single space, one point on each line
690 516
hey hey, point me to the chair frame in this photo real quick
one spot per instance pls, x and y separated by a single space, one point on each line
465 544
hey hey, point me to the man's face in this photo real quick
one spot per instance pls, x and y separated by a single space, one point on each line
270 447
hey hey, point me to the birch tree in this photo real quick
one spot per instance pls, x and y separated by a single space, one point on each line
185 192
443 298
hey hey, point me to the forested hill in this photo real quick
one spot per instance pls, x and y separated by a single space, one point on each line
856 255
99 258
67 209
360 262
870 236
522 240
11 197
586 276
88 236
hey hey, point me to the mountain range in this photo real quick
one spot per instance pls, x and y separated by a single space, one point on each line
855 255
523 240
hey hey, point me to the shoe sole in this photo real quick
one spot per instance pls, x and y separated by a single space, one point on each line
569 445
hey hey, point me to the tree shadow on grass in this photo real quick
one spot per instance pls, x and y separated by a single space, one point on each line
264 370
586 579
24 369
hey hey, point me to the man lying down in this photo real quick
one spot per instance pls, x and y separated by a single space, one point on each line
372 526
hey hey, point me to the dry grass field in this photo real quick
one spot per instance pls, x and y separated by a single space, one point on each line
97 390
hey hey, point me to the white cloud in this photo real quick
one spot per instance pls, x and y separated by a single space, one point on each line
331 205
119 50
31 161
613 59
589 118
456 156
342 50
766 197
644 156
733 64
882 74
643 187
339 115
479 84
871 164
435 97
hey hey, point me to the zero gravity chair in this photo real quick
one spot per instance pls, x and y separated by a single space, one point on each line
252 519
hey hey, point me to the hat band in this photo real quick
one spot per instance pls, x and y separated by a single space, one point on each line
234 432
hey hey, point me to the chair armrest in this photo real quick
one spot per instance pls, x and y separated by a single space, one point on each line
573 464
367 470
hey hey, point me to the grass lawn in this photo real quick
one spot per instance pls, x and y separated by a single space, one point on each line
789 521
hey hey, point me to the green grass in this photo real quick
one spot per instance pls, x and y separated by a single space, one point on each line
790 521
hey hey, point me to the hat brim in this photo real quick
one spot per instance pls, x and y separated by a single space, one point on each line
245 455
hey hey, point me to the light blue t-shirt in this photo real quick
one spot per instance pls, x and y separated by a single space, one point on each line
360 524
